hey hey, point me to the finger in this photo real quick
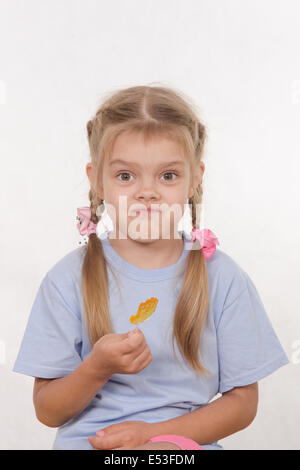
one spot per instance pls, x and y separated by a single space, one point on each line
110 429
117 427
122 336
136 353
143 358
130 341
93 442
147 361
132 347
136 338
97 443
106 442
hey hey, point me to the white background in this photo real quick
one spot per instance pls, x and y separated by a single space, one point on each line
239 62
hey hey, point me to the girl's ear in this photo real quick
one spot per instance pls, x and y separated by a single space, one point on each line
91 174
198 174
90 171
191 192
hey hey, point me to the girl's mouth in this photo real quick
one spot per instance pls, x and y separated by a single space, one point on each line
147 211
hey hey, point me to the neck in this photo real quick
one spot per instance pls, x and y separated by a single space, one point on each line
149 254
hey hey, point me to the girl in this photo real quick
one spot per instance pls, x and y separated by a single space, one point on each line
102 385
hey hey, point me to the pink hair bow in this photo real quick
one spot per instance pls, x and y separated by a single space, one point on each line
207 240
85 225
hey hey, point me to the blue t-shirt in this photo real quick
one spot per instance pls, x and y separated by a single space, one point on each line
238 343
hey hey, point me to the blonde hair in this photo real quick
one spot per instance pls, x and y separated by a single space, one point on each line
152 110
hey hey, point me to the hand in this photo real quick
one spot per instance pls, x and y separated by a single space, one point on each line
121 436
126 353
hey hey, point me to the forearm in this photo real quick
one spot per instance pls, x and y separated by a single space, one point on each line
61 399
216 420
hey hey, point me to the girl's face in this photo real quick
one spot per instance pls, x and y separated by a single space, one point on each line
139 174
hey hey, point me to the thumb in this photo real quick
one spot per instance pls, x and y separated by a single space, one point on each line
132 332
122 336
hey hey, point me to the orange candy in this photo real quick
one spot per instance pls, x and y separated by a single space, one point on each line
145 310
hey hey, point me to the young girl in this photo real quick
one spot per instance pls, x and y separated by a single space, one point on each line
104 384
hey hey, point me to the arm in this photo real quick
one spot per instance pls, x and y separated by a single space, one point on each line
56 401
232 412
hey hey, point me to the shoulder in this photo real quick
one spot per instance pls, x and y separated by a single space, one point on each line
69 266
65 276
226 278
222 266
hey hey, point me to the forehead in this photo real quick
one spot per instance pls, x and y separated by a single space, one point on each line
134 148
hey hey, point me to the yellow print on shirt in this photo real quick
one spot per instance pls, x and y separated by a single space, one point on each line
145 310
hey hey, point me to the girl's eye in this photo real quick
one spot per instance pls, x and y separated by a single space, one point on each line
124 173
170 173
128 175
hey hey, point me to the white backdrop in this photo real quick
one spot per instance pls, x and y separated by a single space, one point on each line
239 61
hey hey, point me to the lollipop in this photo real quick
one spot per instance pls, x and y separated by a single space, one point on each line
145 310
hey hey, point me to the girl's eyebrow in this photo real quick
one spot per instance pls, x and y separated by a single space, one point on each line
124 162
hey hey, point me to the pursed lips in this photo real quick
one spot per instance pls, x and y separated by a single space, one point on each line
142 210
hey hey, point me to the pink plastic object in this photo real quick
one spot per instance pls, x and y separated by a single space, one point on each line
207 240
85 225
182 442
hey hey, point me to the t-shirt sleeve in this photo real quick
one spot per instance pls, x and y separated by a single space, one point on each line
51 345
248 347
